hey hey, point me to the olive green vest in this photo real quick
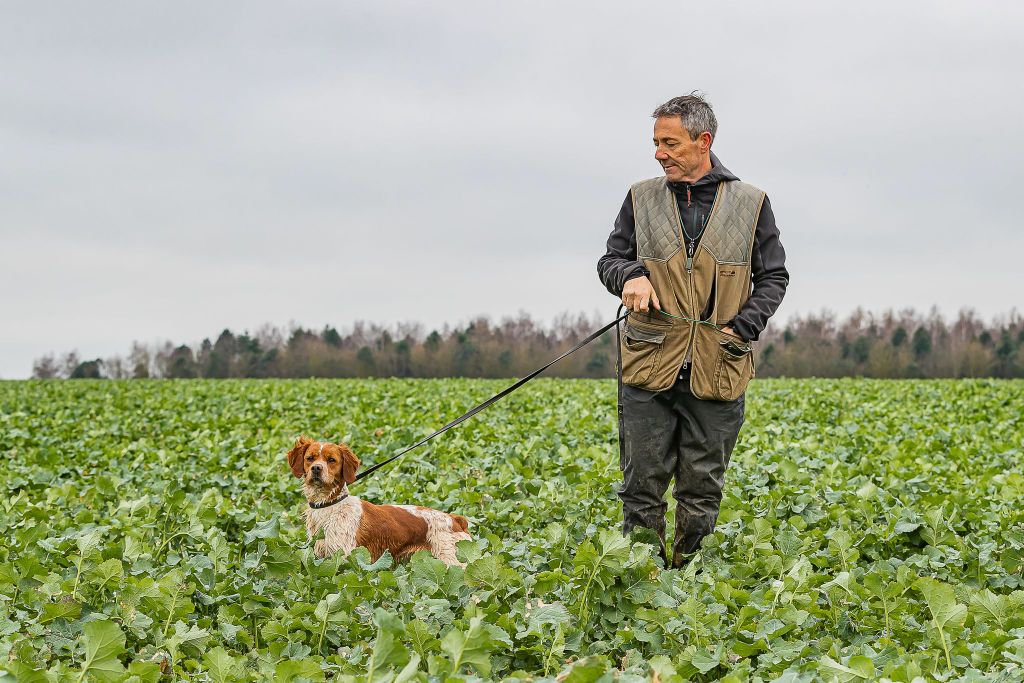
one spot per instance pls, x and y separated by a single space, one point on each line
655 345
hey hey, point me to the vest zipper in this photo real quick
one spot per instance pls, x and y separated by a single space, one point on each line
689 278
689 263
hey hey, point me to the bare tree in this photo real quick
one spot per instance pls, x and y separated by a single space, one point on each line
46 367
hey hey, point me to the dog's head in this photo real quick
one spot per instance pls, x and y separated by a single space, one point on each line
322 465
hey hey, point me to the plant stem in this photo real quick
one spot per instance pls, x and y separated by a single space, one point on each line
945 648
78 575
373 663
169 539
885 606
320 640
170 612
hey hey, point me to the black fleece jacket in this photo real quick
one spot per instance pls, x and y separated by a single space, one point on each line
768 261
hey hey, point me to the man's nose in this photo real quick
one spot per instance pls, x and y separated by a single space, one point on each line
660 154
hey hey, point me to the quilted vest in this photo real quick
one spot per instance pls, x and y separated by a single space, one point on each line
655 346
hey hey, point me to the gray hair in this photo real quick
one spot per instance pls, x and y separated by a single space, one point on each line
694 111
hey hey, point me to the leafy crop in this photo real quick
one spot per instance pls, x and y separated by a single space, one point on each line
151 531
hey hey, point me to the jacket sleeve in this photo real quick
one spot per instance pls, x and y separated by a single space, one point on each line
619 262
769 274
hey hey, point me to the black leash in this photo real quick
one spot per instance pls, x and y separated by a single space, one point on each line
618 388
494 399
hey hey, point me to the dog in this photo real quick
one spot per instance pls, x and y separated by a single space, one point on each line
326 470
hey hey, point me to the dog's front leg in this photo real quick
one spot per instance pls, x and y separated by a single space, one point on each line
320 549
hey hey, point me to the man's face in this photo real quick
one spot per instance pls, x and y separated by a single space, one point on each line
681 157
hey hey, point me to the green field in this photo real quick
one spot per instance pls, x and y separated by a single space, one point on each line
150 530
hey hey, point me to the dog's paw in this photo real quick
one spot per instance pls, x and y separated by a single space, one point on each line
320 549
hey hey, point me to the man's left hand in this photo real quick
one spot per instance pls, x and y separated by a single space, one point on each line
729 330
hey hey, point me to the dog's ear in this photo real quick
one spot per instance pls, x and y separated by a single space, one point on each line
297 453
349 464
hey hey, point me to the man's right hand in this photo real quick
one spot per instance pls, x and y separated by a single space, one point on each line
638 295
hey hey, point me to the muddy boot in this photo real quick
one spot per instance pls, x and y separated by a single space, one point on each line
641 534
690 529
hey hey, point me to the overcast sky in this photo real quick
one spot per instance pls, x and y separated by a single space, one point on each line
171 169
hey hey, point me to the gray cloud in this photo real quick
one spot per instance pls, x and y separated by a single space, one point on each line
173 169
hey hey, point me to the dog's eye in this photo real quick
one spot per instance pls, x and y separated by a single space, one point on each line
309 457
331 460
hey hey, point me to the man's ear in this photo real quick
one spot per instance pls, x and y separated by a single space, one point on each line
349 464
708 139
296 455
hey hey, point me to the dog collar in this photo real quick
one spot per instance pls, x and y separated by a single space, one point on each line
320 506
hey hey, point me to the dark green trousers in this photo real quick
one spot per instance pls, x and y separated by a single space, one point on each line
669 435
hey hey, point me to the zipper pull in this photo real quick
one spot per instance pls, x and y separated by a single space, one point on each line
689 263
687 196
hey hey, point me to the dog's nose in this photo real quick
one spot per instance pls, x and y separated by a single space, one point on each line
316 468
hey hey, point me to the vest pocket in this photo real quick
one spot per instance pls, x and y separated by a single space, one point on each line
641 351
734 369
723 365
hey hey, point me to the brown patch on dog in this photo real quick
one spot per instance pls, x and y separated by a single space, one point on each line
386 527
459 523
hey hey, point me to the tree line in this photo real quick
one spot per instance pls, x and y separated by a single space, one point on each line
904 344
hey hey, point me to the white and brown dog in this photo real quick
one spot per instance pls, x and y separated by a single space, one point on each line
347 522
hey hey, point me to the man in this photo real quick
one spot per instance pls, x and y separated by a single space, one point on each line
684 252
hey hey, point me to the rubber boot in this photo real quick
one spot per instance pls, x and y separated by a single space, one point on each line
690 530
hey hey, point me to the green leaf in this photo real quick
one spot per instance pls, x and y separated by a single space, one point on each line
841 581
473 646
60 610
704 661
384 562
858 668
588 670
941 602
409 671
221 666
89 542
586 558
431 575
298 669
607 563
540 614
663 670
22 672
490 572
387 650
220 550
1002 611
106 572
172 595
104 643
421 636
143 672
614 550
186 636
267 529
331 608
